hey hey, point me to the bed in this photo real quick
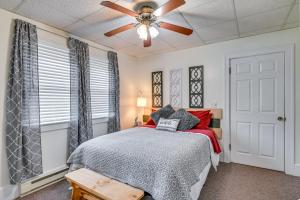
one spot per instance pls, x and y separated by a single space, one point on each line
167 165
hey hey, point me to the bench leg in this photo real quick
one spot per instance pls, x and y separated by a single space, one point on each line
76 195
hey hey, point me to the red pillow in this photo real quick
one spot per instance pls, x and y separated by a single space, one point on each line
150 122
204 116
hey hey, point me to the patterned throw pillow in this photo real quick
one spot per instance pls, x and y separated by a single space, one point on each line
187 120
164 112
167 124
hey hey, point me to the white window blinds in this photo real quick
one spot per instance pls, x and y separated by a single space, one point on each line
99 86
54 84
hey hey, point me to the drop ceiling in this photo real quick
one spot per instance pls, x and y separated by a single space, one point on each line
212 21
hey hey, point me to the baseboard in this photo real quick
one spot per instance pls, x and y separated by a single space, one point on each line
9 192
43 180
296 171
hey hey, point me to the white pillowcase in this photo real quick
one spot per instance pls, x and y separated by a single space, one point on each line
167 124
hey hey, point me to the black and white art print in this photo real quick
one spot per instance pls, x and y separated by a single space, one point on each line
176 88
196 81
157 89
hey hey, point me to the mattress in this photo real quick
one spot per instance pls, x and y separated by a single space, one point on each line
165 164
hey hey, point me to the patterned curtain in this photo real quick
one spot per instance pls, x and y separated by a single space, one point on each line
23 133
81 128
114 93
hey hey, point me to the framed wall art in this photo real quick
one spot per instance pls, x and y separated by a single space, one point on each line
157 89
196 81
175 88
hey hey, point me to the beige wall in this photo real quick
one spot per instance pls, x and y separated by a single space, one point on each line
51 158
213 58
135 74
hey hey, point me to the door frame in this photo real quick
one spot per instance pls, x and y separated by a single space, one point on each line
289 102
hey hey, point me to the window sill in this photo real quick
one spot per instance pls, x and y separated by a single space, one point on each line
65 125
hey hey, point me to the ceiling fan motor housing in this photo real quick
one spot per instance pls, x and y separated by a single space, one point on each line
145 10
147 13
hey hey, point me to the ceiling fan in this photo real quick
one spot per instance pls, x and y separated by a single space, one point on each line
147 15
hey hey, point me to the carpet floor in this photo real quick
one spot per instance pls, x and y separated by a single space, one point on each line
230 182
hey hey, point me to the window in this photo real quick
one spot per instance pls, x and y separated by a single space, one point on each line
54 83
99 86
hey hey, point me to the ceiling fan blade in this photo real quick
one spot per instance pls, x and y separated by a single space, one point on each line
167 7
175 28
119 8
147 43
119 30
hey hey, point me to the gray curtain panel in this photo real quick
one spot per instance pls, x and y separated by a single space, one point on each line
114 93
23 133
81 128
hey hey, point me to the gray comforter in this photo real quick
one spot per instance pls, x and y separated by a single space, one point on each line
164 164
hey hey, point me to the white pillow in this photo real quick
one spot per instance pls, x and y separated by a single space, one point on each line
167 124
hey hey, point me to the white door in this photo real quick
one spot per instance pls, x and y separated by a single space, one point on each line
257 111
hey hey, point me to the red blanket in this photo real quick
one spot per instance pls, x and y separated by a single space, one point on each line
209 132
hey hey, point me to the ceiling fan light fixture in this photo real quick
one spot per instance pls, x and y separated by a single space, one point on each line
147 15
153 32
142 32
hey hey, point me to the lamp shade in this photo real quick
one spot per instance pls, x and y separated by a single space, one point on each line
141 102
143 33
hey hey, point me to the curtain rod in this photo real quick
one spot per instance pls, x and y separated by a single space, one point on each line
69 36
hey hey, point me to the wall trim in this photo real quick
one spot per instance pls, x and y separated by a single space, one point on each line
9 192
289 51
296 170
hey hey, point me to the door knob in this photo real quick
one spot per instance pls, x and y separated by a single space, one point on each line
281 118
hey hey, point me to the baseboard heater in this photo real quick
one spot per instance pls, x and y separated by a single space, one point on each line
43 181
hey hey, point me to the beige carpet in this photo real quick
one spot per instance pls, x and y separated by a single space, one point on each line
231 182
241 182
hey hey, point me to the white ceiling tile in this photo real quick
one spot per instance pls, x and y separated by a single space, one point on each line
187 46
139 50
292 25
135 51
9 4
104 15
294 15
263 21
218 32
157 44
143 55
176 19
261 31
97 30
162 51
250 7
212 20
114 42
131 3
41 12
176 39
130 35
75 8
192 4
210 13
77 26
223 39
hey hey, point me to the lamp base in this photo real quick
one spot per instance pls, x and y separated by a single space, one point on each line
137 123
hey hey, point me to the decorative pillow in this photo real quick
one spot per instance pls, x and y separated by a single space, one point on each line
150 122
205 118
187 120
167 124
164 112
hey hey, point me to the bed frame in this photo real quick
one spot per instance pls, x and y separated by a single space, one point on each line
215 124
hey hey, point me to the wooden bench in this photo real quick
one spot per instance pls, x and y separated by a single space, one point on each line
89 185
